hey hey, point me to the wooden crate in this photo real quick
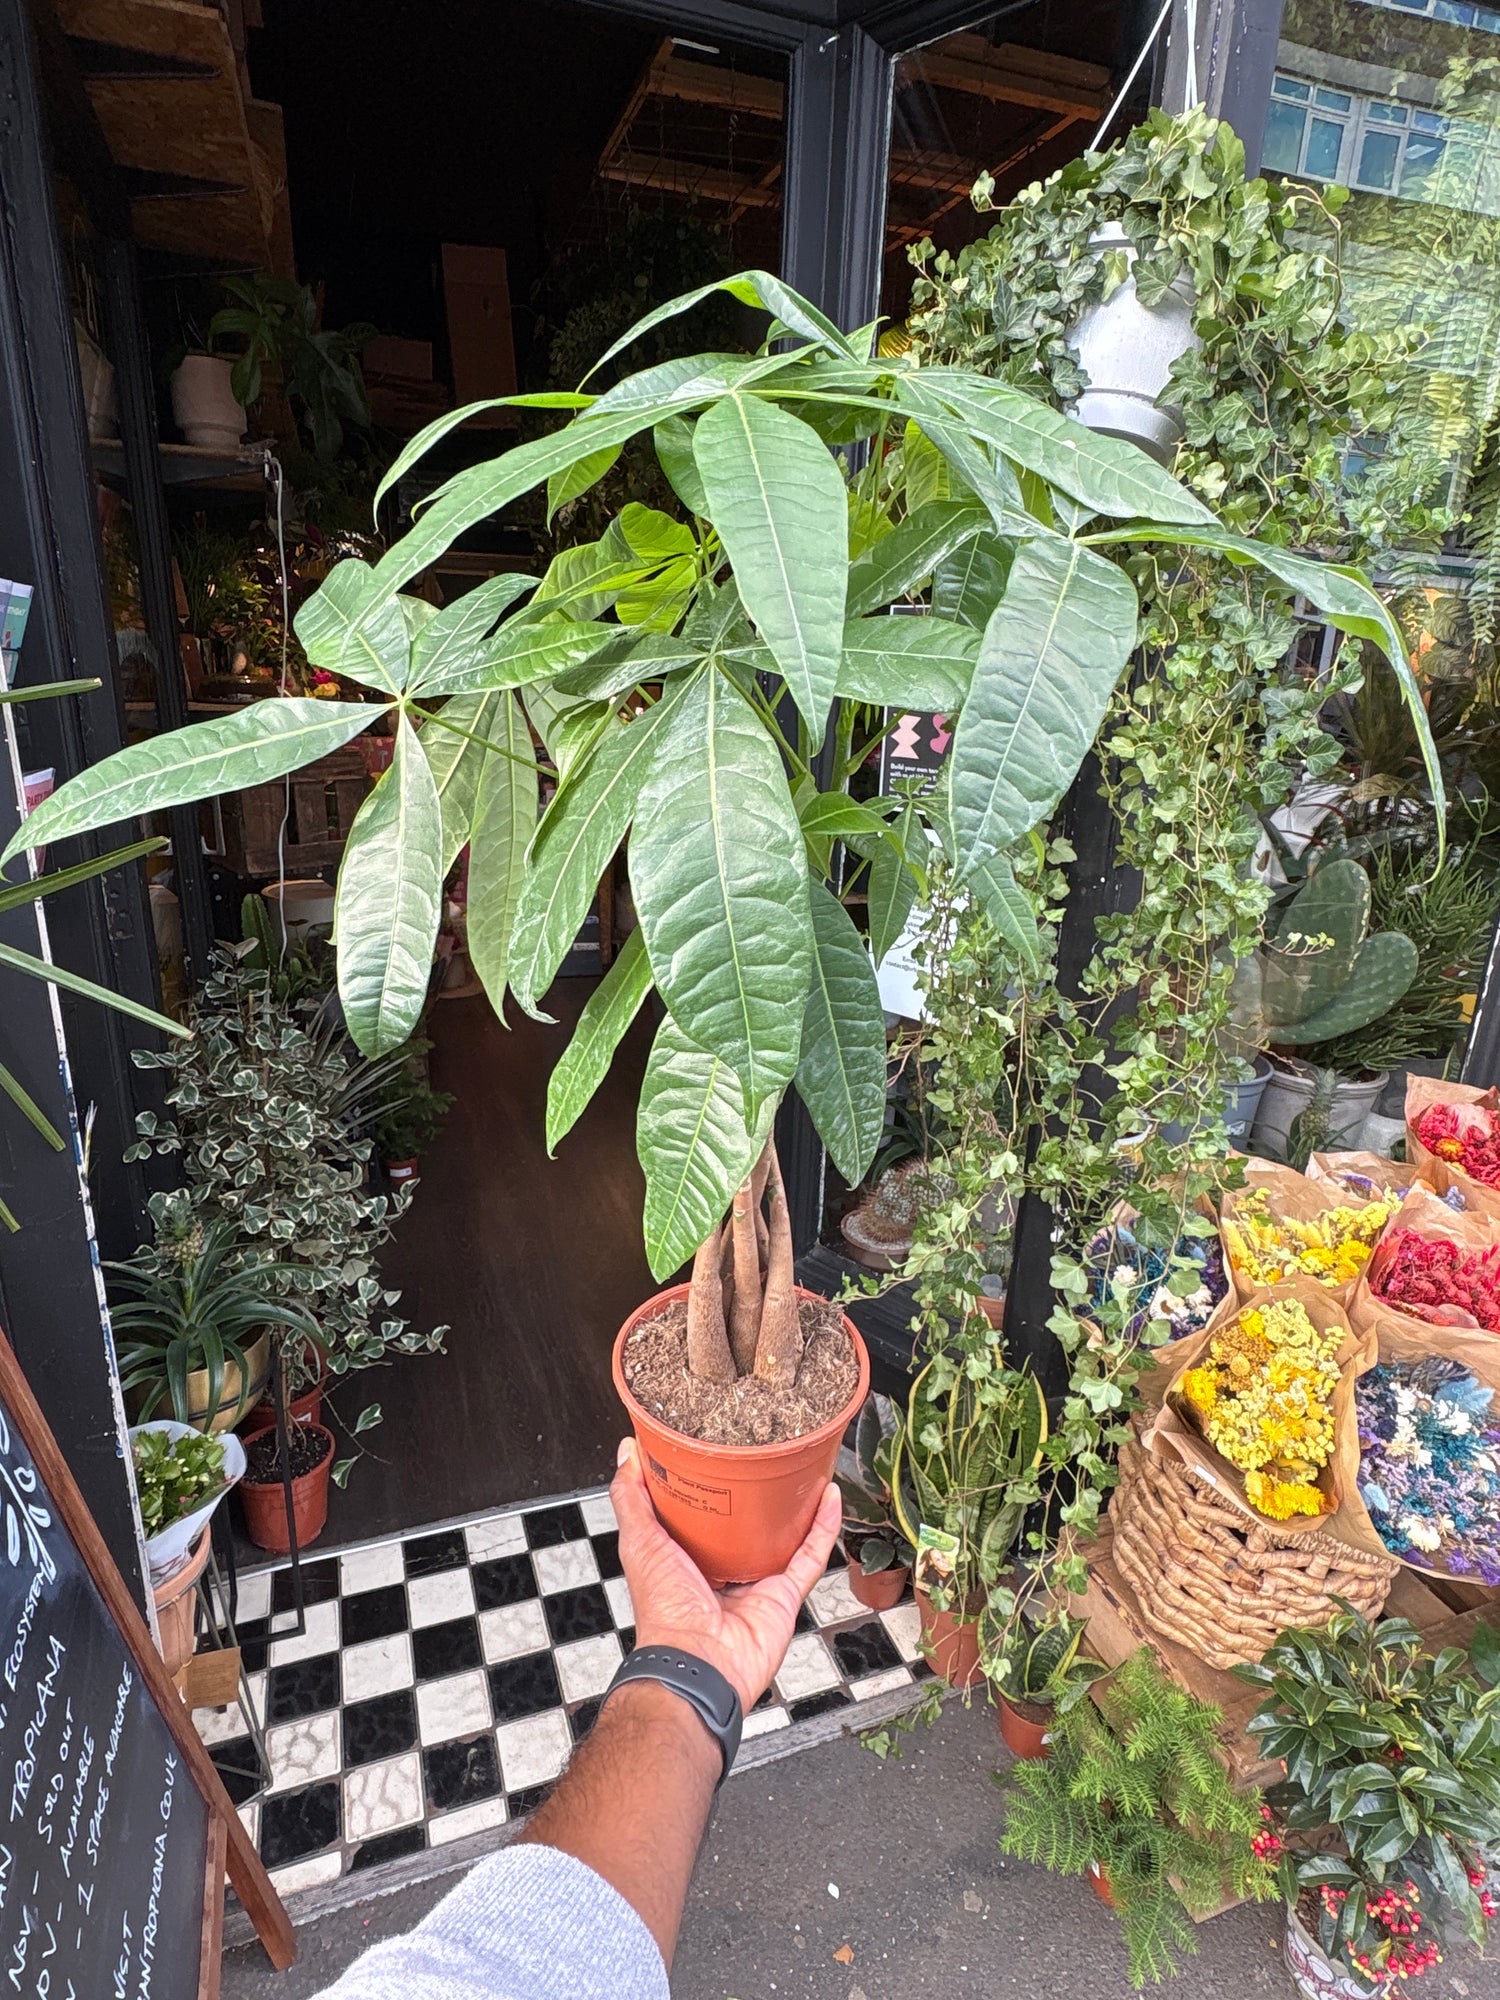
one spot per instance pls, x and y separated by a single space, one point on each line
1116 1630
324 799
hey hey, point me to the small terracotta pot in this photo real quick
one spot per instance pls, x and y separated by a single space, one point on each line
400 1172
1026 1729
881 1589
177 1608
304 1409
952 1643
740 1510
265 1502
1101 1885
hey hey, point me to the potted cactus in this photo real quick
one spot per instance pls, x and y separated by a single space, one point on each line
879 1556
1320 974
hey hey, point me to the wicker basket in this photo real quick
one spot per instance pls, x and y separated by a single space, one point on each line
1218 1583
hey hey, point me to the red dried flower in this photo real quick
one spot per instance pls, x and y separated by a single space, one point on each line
1433 1278
1466 1136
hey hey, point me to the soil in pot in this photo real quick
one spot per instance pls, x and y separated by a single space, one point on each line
310 1455
746 1411
1025 1727
880 1589
737 1469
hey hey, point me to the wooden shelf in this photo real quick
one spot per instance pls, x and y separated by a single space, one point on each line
191 465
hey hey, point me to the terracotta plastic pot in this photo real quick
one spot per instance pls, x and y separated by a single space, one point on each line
952 1643
177 1608
1026 1730
304 1409
1099 1882
400 1172
740 1510
265 1503
881 1589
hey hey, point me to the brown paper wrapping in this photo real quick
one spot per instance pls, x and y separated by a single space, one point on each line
1294 1196
1171 1430
1430 1216
1421 1093
1395 1337
1373 1167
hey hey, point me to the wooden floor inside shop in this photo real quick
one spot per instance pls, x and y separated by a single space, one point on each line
533 1263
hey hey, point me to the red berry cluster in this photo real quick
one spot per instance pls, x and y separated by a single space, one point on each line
1465 1136
1431 1276
1266 1845
1396 1913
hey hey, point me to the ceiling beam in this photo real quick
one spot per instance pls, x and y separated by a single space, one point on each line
1010 74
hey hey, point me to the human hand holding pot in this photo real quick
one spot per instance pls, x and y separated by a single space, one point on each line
745 1630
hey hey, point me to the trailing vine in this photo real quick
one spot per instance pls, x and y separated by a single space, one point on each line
1109 1097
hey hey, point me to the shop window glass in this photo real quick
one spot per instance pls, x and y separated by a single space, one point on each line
1016 97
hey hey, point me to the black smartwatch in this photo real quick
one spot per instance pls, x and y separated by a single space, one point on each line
703 1687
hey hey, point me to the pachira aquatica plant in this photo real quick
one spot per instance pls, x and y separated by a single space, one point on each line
683 676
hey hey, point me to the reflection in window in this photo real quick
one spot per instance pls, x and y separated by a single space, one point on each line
1462 13
1380 144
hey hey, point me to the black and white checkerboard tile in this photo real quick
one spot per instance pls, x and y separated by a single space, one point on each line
442 1681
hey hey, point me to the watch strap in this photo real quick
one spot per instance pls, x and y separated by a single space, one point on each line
701 1686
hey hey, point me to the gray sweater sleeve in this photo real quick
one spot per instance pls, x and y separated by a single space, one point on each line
530 1923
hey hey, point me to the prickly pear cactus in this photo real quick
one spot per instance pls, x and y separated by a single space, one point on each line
1322 975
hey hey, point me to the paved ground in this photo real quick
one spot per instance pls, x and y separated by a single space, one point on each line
925 1903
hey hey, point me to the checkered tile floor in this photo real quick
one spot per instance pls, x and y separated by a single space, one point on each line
442 1681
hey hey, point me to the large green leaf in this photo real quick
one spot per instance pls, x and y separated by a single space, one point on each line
1102 473
455 763
777 499
751 288
352 626
841 1069
624 660
390 895
1008 908
904 558
608 1012
969 583
579 832
438 429
583 473
893 888
693 1145
454 641
719 874
1344 596
56 879
896 661
264 741
1048 664
504 822
72 982
526 650
673 438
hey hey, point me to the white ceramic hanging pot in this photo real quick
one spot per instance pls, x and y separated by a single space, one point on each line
1126 349
203 404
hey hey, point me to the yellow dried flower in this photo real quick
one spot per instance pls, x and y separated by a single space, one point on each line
1263 1395
1279 1499
1333 1247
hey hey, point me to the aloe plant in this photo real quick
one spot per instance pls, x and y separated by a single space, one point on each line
658 667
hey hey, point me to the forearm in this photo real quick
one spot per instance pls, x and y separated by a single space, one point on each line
635 1801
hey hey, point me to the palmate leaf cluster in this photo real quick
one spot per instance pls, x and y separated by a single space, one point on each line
1133 1784
657 667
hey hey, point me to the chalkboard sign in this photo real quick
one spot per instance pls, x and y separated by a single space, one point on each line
114 1829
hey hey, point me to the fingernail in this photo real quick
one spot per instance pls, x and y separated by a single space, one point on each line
623 1454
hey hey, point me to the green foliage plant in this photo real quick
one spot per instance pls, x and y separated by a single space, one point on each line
1398 1751
252 1117
1133 1784
1042 1665
872 1534
406 1127
195 1300
772 589
273 326
1074 1084
174 1475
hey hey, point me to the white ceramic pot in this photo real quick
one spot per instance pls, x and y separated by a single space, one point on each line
1127 349
1287 1095
167 1551
1313 1973
298 903
203 404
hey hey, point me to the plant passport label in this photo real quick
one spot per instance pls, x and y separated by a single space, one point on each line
690 1492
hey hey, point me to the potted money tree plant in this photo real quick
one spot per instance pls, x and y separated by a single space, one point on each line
682 673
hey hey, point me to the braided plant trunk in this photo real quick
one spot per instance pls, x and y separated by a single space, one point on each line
742 1315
